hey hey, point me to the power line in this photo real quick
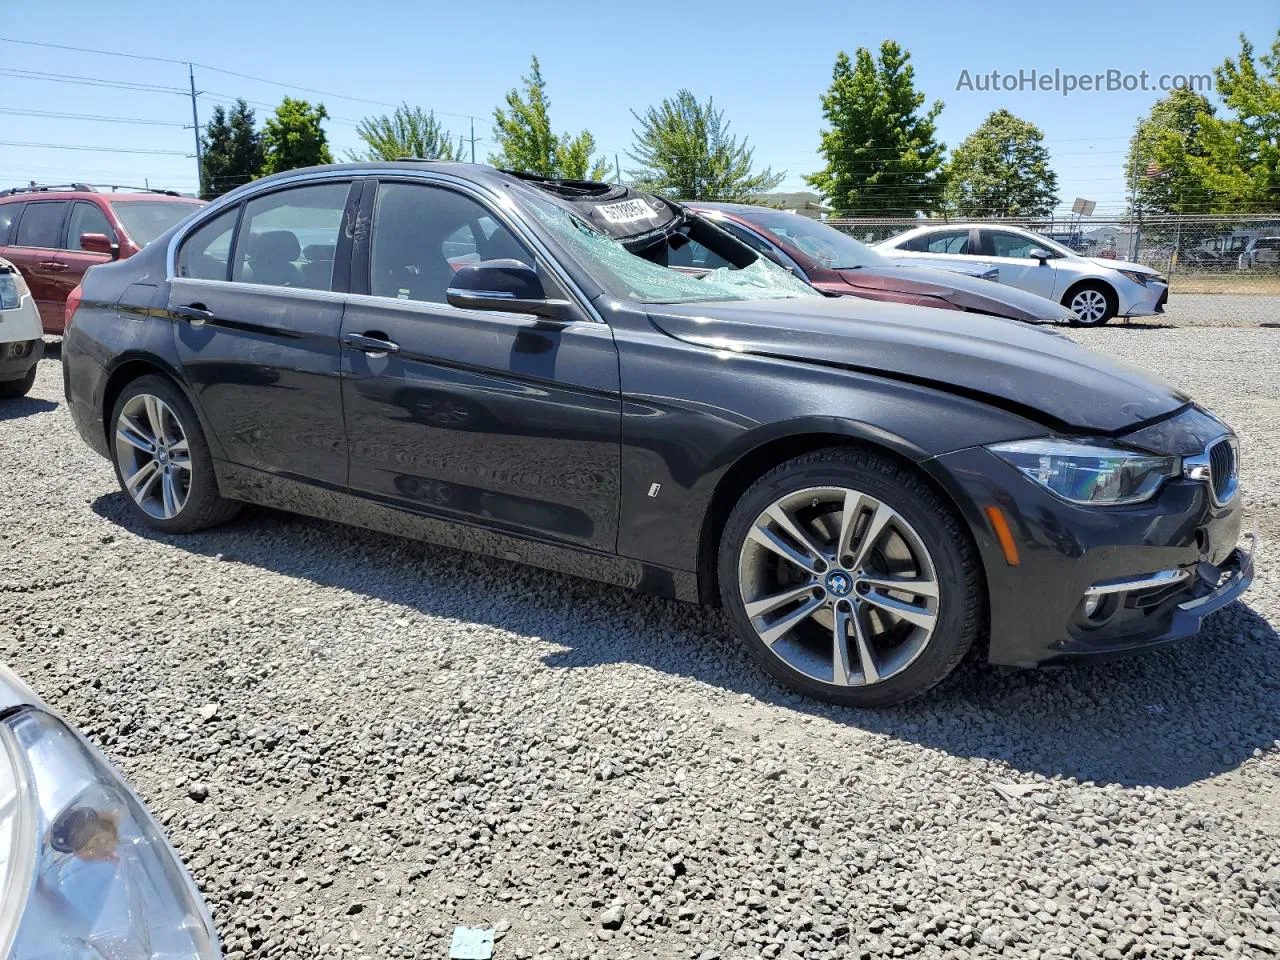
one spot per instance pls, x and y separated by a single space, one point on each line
230 73
73 146
109 53
91 81
90 116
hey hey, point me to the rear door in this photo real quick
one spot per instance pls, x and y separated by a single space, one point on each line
1011 253
480 416
257 326
34 250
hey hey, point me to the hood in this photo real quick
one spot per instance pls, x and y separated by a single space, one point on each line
1121 265
1033 371
966 292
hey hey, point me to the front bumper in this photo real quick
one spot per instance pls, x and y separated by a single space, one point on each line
18 357
1063 550
1140 301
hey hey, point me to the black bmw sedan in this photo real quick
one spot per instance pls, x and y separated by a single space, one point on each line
528 368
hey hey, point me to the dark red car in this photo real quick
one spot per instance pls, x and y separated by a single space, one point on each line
837 264
53 234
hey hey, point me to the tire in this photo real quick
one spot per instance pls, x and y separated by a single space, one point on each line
195 502
12 389
1092 303
919 541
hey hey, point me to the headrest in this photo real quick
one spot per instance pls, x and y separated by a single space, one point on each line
274 246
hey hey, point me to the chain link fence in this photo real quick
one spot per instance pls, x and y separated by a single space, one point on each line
1221 270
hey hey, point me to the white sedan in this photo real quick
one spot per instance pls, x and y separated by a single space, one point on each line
1093 288
21 345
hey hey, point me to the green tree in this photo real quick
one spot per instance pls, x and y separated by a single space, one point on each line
293 137
1160 152
1002 170
408 132
231 150
685 151
527 143
883 156
1238 163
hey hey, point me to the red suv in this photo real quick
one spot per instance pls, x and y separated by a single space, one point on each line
53 234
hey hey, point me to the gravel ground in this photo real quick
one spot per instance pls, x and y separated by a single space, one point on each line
358 743
1217 310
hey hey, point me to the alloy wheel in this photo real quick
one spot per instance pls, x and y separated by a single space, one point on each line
838 585
1089 305
153 456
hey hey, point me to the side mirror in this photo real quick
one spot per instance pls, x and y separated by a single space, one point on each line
99 243
1041 254
508 285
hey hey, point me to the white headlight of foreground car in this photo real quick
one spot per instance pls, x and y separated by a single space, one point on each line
1083 472
85 873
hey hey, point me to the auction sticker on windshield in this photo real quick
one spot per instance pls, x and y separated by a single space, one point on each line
627 211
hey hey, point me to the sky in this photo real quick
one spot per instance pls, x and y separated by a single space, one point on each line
763 65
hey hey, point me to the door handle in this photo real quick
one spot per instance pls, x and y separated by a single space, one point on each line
194 314
53 265
375 346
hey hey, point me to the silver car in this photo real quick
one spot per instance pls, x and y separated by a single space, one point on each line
1095 289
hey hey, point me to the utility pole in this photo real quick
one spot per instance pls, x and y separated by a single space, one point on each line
473 139
618 166
195 126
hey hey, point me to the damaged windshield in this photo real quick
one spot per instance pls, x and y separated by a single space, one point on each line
704 273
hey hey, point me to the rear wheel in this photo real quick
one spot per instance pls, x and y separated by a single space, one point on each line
162 460
11 389
849 579
1092 303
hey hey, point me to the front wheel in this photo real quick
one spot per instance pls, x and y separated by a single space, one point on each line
12 389
1092 303
162 460
849 579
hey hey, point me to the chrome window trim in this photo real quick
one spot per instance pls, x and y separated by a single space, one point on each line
491 200
275 290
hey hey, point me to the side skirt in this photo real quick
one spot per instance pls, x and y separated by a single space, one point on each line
282 493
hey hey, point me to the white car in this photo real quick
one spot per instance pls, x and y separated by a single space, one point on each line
84 870
1093 288
21 345
1260 252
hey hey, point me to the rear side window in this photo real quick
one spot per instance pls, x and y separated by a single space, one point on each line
9 214
87 218
206 253
942 241
40 224
288 238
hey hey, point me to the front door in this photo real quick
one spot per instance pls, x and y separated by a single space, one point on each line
257 316
474 415
1011 253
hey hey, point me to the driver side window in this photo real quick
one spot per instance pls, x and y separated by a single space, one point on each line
422 234
1004 244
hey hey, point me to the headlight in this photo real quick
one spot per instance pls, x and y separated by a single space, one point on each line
1082 472
84 870
1136 277
12 289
